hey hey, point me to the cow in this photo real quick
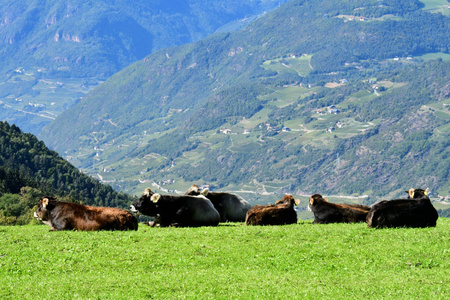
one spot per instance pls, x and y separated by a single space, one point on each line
177 211
281 213
326 212
415 211
61 215
231 207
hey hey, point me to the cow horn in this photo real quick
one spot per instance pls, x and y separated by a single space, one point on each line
204 192
147 191
155 198
411 193
44 202
297 201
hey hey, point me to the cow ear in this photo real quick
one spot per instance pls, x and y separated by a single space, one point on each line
44 202
194 188
411 193
155 198
311 200
204 192
427 191
326 199
297 201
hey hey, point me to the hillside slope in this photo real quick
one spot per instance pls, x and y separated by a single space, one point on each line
314 67
29 168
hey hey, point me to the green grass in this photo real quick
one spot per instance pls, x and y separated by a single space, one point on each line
436 6
300 261
300 65
287 95
430 56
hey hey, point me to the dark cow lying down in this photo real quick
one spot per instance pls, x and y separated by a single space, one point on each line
68 216
281 213
231 207
416 211
180 211
326 212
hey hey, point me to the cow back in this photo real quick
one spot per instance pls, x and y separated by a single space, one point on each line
326 212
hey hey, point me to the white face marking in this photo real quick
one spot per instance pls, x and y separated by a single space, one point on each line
133 209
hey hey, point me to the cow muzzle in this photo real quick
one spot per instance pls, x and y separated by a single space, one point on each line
133 209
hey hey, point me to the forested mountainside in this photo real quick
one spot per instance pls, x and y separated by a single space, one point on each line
29 170
317 96
54 52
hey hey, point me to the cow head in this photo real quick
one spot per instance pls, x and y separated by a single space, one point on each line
316 199
417 193
146 204
45 206
194 190
288 200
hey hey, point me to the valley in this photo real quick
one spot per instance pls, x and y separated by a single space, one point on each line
29 95
116 163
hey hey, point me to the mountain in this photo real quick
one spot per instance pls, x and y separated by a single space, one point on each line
98 38
29 170
63 49
337 97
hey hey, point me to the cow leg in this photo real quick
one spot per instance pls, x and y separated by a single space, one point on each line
61 224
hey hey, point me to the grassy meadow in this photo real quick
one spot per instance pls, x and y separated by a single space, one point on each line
232 261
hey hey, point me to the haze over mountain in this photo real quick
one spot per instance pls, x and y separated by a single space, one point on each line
98 38
316 96
62 49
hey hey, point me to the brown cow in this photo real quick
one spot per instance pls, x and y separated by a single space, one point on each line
68 216
281 213
326 212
